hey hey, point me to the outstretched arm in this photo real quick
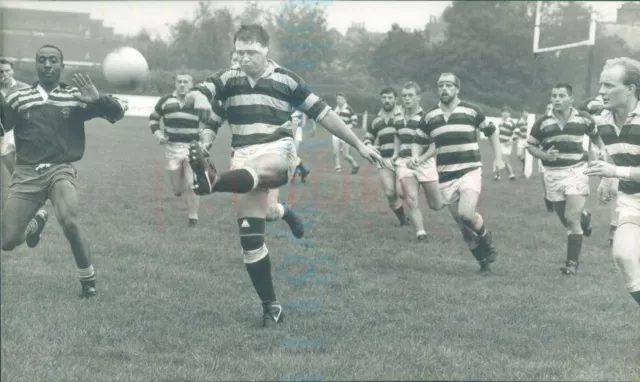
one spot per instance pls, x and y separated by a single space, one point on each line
96 105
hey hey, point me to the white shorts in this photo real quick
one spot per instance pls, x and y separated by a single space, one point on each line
284 147
521 147
628 208
7 143
564 181
426 172
506 148
298 137
470 181
176 154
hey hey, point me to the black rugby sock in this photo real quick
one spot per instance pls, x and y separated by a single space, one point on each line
260 274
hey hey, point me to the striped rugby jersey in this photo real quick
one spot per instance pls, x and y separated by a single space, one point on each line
180 122
406 127
456 139
259 112
522 127
623 145
14 86
385 131
349 117
507 130
546 132
49 128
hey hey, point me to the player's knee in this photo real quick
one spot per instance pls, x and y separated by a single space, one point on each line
69 224
10 239
273 212
467 218
252 239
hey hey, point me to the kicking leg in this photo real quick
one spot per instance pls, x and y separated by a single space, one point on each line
64 198
335 143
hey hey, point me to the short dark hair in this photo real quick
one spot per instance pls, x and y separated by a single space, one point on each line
4 61
251 33
341 95
566 86
389 89
51 46
414 86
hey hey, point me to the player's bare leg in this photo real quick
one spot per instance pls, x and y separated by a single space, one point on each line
509 168
335 144
388 181
64 198
626 253
277 211
547 202
181 183
576 220
614 220
472 226
20 222
345 154
410 195
433 195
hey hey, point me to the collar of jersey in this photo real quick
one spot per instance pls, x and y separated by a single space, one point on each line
635 111
397 110
571 114
418 110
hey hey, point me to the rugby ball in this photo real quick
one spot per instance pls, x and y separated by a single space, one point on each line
125 66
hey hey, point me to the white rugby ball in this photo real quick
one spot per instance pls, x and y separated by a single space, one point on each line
125 66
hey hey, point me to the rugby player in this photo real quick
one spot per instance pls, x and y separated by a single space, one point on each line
507 133
340 147
298 122
382 129
522 129
259 100
556 138
619 127
7 142
48 121
412 178
180 128
450 133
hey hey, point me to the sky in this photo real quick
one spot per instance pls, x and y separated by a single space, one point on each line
128 17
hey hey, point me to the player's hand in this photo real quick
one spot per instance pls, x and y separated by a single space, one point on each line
605 193
413 163
162 139
601 168
552 154
201 105
371 154
88 91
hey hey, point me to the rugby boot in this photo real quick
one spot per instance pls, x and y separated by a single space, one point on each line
570 268
271 314
497 177
549 205
193 223
205 174
295 223
488 251
34 238
88 289
585 223
355 170
303 175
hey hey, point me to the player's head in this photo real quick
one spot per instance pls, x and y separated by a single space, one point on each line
252 45
620 82
506 112
411 95
592 106
341 100
6 71
448 87
233 57
388 98
562 97
184 82
49 64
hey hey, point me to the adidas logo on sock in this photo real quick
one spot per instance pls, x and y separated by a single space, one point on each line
245 224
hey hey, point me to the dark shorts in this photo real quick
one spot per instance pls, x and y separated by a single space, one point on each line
35 182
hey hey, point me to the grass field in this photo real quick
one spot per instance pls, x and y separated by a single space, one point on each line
365 301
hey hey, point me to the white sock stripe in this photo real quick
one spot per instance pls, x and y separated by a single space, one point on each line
250 257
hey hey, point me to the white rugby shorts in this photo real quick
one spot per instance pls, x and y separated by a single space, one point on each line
7 143
426 172
470 181
628 208
564 181
176 154
506 148
286 148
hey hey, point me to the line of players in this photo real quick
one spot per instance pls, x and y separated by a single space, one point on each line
446 133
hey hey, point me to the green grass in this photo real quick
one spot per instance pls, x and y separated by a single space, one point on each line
177 304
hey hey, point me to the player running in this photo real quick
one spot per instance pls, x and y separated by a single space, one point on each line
556 138
382 129
180 127
258 101
48 122
298 122
619 128
7 141
452 128
340 147
507 134
412 178
522 129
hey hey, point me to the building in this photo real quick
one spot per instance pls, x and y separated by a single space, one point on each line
627 25
83 40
